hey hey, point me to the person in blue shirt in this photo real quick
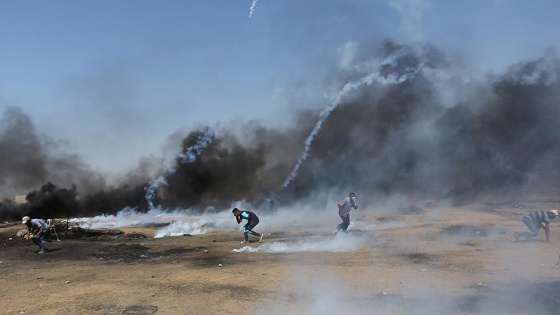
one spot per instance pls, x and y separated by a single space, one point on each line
252 221
37 229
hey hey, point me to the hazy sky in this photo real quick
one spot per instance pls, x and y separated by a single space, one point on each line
113 79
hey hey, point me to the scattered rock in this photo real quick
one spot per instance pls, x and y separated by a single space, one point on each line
140 309
393 218
135 236
410 210
472 230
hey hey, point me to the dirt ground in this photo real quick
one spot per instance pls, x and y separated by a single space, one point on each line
441 261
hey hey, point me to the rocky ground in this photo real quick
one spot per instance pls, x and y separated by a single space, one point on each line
446 260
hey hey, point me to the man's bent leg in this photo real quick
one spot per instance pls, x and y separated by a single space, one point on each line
345 222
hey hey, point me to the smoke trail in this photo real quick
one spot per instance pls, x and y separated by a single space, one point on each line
189 156
151 190
367 80
252 9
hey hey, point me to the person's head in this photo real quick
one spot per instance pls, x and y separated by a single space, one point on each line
352 196
236 212
26 220
553 214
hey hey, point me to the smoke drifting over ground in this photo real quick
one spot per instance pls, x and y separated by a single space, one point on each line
416 123
325 294
339 243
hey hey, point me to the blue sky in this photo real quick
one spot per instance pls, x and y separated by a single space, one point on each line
114 79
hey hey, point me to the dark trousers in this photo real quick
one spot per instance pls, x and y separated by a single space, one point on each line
39 240
345 222
248 228
532 226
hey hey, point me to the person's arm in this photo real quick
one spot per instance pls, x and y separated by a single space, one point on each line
39 231
547 231
239 219
354 205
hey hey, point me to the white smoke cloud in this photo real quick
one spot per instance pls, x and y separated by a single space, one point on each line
197 224
130 217
337 243
285 220
347 54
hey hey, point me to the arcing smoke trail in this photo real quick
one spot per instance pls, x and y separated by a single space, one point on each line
347 88
189 156
252 9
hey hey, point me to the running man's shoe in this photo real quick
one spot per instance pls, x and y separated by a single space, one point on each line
244 242
261 237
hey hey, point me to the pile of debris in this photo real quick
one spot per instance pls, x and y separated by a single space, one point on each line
72 230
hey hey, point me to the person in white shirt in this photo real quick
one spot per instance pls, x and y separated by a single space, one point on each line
37 229
534 222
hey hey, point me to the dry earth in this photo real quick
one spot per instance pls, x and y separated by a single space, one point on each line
443 261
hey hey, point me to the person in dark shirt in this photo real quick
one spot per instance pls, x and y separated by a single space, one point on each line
252 221
534 222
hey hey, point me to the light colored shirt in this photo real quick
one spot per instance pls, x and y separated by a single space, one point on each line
345 205
36 224
539 217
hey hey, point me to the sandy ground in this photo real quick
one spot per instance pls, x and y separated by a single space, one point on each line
443 261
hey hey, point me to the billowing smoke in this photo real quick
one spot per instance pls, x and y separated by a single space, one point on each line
374 76
410 137
406 120
224 172
30 159
188 156
339 243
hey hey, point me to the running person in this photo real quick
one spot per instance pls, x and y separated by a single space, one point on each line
344 207
534 222
252 221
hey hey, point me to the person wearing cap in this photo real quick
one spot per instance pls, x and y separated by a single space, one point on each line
344 207
534 222
37 229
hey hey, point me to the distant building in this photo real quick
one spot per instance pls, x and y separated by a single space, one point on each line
17 199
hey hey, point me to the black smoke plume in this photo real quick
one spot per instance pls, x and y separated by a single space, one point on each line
47 202
404 138
29 159
51 201
422 127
